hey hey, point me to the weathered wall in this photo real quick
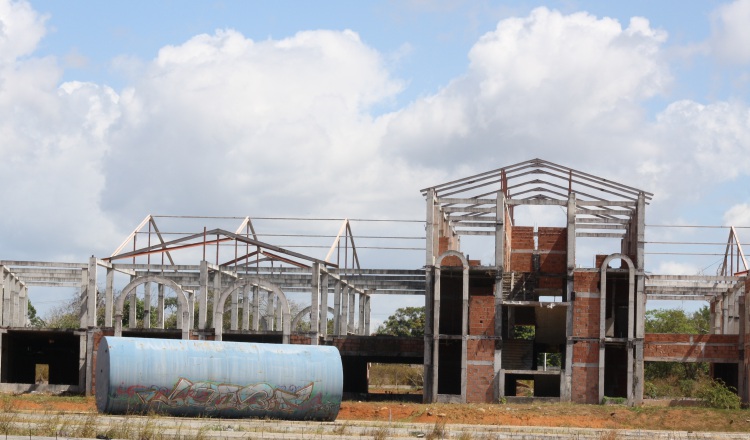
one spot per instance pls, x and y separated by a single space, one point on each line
585 368
480 370
691 348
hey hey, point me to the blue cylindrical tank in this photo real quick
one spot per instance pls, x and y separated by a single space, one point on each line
221 379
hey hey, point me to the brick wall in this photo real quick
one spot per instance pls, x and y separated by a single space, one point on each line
585 385
521 262
691 348
553 263
479 383
523 237
586 317
552 239
480 350
482 315
586 281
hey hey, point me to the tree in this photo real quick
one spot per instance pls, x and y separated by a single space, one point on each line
407 321
65 315
34 320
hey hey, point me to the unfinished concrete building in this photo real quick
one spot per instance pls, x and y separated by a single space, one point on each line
492 326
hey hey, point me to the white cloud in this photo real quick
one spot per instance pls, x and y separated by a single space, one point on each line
678 268
547 85
738 215
21 29
731 32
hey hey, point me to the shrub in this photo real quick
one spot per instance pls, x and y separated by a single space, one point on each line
717 394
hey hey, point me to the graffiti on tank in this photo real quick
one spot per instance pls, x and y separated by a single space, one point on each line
214 396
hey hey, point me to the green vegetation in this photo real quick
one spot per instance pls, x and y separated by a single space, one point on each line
716 394
676 379
406 321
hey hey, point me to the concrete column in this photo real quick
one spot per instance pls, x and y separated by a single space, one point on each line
83 308
147 305
344 310
160 305
178 317
640 299
235 313
24 306
500 271
361 320
431 228
323 325
465 333
92 293
316 311
429 366
256 308
246 306
367 313
109 297
337 288
352 298
203 296
436 335
190 319
15 318
4 279
132 315
269 311
279 315
567 378
82 370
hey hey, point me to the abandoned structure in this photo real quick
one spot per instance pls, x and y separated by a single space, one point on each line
532 312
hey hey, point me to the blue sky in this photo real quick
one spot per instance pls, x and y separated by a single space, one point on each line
114 110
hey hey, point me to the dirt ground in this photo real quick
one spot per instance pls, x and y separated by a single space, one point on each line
653 415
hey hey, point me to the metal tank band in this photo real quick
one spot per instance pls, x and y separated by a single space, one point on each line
218 379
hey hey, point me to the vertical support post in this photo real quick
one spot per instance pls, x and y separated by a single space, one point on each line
279 315
323 305
82 373
436 334
269 311
431 228
567 379
361 319
216 293
351 306
246 306
256 308
92 292
343 320
640 299
367 313
203 295
109 296
5 291
83 308
132 316
160 305
191 312
498 393
465 332
147 305
337 288
429 366
15 316
316 311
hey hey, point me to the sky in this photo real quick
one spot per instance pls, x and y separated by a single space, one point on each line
110 111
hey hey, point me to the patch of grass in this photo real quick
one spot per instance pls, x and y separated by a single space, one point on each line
341 429
380 433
